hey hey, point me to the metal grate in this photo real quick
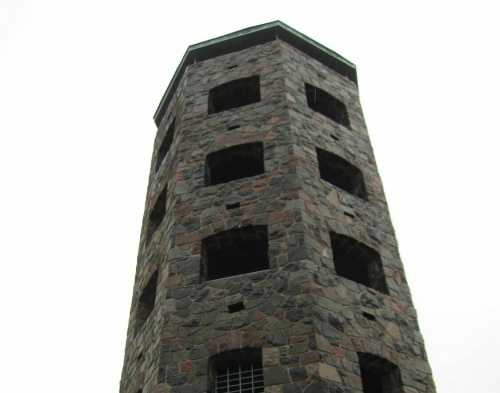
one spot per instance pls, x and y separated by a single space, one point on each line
246 379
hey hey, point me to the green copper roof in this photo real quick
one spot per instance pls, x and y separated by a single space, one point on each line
247 38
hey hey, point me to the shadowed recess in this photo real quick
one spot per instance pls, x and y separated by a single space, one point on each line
235 251
326 104
235 307
236 371
379 375
234 163
146 302
165 145
358 262
233 94
341 173
157 214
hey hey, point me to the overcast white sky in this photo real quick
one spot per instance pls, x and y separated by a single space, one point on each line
79 83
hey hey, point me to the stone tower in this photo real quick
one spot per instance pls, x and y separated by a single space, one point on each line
267 260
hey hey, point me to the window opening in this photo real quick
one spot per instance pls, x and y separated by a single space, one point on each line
157 214
146 302
234 163
341 173
326 104
233 252
234 94
379 375
237 371
165 144
235 307
358 262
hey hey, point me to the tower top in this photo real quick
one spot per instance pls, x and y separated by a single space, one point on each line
247 38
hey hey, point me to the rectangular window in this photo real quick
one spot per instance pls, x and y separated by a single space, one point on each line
146 302
341 173
233 252
237 371
358 262
379 375
165 145
157 214
234 94
326 104
234 163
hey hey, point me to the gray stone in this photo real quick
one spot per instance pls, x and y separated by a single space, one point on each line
275 375
298 373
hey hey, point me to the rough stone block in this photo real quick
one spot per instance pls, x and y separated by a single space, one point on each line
275 375
328 372
270 357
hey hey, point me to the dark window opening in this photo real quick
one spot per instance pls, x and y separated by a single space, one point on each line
358 262
237 371
146 302
165 145
233 163
233 127
232 66
342 174
326 104
335 137
369 316
233 206
379 375
233 94
235 307
157 214
349 215
233 252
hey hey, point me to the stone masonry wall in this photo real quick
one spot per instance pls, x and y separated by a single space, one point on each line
341 328
308 321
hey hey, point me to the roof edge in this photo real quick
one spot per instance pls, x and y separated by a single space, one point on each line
246 38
